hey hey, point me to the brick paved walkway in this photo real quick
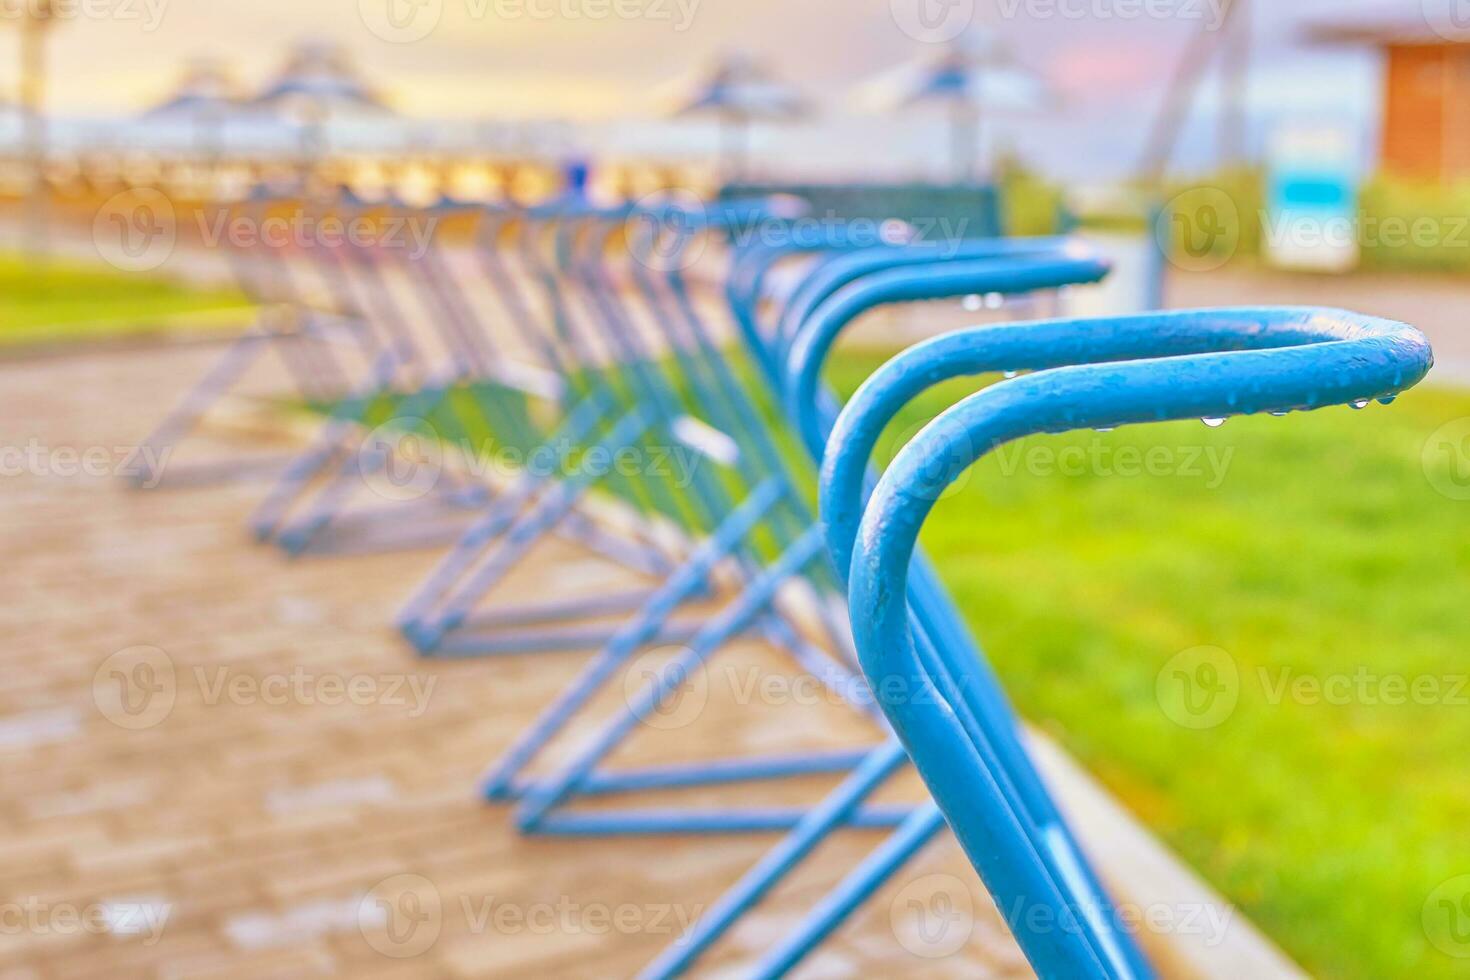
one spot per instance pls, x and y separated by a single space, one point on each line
217 763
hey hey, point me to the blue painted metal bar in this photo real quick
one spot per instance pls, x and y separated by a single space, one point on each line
303 339
729 405
825 310
522 529
1263 360
705 773
354 274
963 676
925 281
687 312
731 622
921 827
522 532
833 812
579 425
721 396
551 789
359 271
745 820
637 633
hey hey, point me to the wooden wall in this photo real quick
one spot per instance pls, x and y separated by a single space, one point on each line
1426 125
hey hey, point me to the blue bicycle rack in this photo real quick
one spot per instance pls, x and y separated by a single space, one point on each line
320 348
580 776
1088 374
308 510
768 500
830 300
594 315
604 412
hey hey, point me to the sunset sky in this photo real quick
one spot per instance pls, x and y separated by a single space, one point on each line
486 59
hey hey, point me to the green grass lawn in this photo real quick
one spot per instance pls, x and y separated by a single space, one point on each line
54 300
1313 545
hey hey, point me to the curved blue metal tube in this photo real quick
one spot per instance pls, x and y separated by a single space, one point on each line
942 634
1073 263
959 669
1032 346
843 269
1186 365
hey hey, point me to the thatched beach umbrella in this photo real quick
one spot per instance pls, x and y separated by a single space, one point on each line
318 83
206 96
738 90
972 79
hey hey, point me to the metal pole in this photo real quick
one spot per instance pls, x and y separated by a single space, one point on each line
32 103
1236 79
734 135
964 137
1179 96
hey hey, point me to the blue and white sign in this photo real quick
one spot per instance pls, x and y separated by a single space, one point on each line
1311 219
